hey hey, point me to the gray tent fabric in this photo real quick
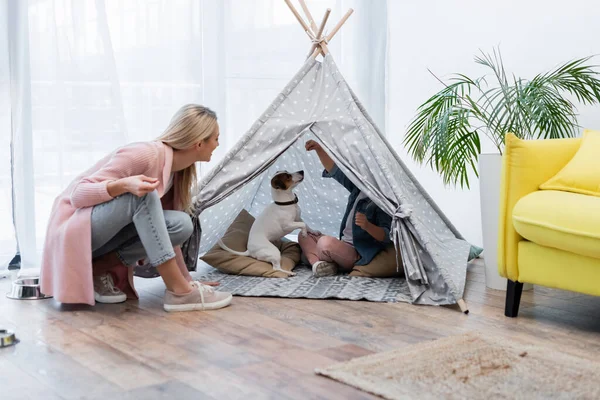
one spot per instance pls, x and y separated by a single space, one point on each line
318 103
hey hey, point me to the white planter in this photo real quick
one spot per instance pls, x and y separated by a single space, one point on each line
490 166
490 169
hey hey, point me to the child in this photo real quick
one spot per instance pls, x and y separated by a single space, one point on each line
364 231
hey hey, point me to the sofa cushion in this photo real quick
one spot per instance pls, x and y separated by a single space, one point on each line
562 220
582 172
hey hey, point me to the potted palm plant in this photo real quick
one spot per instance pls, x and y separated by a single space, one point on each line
449 127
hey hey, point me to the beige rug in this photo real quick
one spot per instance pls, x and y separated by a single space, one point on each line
471 366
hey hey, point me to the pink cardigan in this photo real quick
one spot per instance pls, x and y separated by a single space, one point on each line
66 271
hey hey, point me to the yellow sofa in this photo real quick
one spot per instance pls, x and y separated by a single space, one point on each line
546 237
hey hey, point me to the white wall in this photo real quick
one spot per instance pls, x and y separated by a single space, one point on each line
445 35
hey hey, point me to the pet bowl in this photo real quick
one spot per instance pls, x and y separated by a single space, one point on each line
26 289
7 338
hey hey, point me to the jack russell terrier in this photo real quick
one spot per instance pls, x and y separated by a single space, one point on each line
277 220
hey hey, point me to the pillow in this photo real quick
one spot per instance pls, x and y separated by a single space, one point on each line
382 266
582 173
474 252
236 238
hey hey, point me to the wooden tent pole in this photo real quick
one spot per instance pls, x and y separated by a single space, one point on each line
311 21
320 32
463 306
325 18
300 20
335 29
339 24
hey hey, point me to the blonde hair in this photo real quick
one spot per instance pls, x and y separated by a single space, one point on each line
191 124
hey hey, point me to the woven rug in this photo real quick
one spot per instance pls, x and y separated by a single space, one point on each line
304 285
471 366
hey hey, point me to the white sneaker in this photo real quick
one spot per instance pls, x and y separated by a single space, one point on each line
324 268
200 298
105 290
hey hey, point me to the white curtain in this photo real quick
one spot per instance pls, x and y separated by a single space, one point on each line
79 78
7 236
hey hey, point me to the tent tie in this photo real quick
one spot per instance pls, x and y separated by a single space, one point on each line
404 211
322 39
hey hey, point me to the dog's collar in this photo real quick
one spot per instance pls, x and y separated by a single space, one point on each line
287 203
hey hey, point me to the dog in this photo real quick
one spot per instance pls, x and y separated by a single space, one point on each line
277 220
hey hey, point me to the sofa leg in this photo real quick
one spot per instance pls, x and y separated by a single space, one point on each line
513 298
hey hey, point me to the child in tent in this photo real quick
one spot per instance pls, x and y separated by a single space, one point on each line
131 205
364 231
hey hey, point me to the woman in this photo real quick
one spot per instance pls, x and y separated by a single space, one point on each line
129 207
364 232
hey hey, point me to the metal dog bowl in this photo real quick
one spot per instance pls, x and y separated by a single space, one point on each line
26 289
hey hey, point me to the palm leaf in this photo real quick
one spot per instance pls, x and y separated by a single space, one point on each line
442 134
574 78
433 117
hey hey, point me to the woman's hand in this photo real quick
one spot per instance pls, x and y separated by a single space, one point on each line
138 185
312 145
362 221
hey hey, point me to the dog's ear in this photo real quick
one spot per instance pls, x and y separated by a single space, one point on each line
277 182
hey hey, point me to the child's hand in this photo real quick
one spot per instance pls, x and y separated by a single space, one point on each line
361 220
312 145
375 231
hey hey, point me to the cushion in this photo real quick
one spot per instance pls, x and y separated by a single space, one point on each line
582 172
562 220
236 238
474 252
382 266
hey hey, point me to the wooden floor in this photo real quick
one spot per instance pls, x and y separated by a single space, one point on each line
257 348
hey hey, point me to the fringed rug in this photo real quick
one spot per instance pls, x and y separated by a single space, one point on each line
304 285
471 366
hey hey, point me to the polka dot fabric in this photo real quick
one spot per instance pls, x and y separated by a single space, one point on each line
318 104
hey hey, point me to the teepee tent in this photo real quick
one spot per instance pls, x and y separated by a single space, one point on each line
318 104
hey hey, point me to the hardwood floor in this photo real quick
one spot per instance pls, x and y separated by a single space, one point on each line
258 348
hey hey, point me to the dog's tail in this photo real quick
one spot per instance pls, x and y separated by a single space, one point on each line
237 253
